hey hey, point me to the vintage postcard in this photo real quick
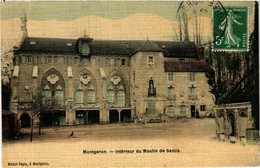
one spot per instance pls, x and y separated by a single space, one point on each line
129 84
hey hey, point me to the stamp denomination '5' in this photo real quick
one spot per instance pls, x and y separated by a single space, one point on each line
234 23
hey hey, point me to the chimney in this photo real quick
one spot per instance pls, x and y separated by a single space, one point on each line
201 53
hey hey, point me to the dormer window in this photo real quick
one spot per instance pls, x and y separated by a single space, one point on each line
85 50
83 45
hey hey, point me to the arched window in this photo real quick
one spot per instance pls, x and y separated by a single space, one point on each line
116 62
53 89
78 95
55 59
112 62
90 94
107 61
93 61
120 95
151 89
58 96
110 94
46 94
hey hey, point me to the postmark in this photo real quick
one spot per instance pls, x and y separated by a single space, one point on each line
205 9
235 26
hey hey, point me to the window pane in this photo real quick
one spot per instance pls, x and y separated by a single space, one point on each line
84 48
192 76
48 60
75 60
58 98
120 96
107 61
182 110
55 59
46 95
170 76
123 61
90 95
150 61
170 111
78 95
110 94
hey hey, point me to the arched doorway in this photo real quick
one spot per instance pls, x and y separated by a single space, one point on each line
93 117
113 116
25 120
231 118
125 116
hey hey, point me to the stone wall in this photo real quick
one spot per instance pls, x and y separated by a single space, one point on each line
137 74
232 120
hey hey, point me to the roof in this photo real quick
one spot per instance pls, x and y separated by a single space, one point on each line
110 47
150 47
187 66
6 112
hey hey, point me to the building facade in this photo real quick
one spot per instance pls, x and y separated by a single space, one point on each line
98 81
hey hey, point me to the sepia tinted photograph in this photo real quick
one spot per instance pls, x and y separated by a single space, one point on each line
130 84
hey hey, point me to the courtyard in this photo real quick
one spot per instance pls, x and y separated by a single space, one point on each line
179 143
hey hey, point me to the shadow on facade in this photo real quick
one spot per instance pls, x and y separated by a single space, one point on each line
25 120
87 117
53 118
125 116
113 116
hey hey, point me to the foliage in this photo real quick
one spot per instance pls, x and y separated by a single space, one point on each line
236 76
252 137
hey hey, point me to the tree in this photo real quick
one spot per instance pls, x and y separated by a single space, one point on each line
182 18
36 105
236 76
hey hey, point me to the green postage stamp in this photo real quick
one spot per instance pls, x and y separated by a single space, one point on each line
230 29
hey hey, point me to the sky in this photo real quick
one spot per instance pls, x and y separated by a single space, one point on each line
104 9
108 20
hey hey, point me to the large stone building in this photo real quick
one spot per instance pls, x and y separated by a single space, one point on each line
98 81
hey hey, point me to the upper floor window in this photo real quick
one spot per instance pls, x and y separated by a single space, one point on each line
55 59
170 76
43 60
84 61
202 107
75 60
192 93
107 61
150 60
192 76
169 93
28 59
116 62
123 61
48 59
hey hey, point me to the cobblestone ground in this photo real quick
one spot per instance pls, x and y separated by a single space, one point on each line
183 142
